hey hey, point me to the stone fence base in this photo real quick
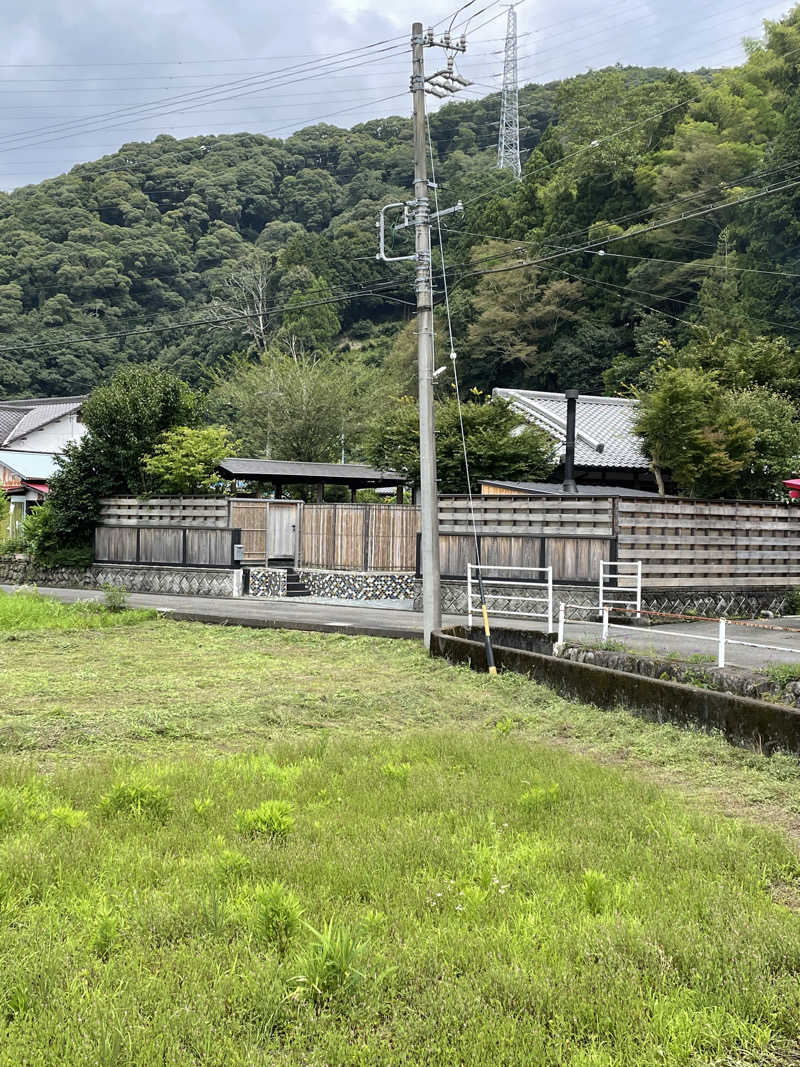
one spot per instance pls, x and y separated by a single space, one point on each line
342 585
136 578
742 603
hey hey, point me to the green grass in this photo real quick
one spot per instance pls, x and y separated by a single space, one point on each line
783 673
29 610
225 847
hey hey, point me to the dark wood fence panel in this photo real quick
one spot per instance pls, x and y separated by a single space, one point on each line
711 543
577 559
115 543
179 546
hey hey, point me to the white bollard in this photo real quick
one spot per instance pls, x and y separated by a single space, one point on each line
562 618
605 624
469 595
721 646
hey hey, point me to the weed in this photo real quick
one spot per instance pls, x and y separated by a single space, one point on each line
144 801
273 818
115 597
701 657
106 931
232 865
396 772
71 818
596 890
505 726
277 915
539 798
329 965
609 645
202 806
783 673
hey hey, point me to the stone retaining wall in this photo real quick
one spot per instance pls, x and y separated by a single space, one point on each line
765 725
341 585
15 571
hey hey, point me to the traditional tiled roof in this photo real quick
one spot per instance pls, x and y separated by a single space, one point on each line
603 426
18 418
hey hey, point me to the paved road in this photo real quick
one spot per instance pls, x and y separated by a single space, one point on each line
327 617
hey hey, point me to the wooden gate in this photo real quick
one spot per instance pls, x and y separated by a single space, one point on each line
269 528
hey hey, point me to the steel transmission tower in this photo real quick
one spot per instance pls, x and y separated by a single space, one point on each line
508 140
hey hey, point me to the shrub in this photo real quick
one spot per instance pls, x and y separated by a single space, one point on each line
273 818
149 801
277 915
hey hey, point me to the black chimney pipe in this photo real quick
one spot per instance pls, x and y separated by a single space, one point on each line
569 485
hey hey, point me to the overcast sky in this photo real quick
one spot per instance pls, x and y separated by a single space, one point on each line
79 78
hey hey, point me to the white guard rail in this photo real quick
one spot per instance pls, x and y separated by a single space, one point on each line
721 639
545 596
614 571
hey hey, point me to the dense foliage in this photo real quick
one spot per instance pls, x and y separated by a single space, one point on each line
501 443
645 234
125 420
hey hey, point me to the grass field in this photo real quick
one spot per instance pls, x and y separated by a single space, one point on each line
223 846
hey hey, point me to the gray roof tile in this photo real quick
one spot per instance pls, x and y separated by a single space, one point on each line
606 420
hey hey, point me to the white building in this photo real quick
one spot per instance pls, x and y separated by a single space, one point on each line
32 433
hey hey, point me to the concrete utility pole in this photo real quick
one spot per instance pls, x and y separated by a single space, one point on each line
429 497
417 213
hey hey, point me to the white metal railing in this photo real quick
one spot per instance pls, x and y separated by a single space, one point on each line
721 640
546 597
625 569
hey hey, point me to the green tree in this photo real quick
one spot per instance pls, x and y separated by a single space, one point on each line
295 405
501 444
691 428
125 420
776 447
185 460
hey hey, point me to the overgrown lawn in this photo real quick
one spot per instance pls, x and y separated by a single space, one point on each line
224 847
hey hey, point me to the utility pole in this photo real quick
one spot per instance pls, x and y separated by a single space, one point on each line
508 139
417 213
429 497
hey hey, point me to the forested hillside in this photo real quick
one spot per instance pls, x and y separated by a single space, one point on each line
203 230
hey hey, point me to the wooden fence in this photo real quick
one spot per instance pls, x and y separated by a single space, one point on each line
681 543
180 546
359 537
202 511
708 543
571 536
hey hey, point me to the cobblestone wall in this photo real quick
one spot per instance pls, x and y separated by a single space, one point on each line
175 581
24 572
342 585
267 583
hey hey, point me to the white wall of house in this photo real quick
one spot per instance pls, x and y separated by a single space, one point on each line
53 437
